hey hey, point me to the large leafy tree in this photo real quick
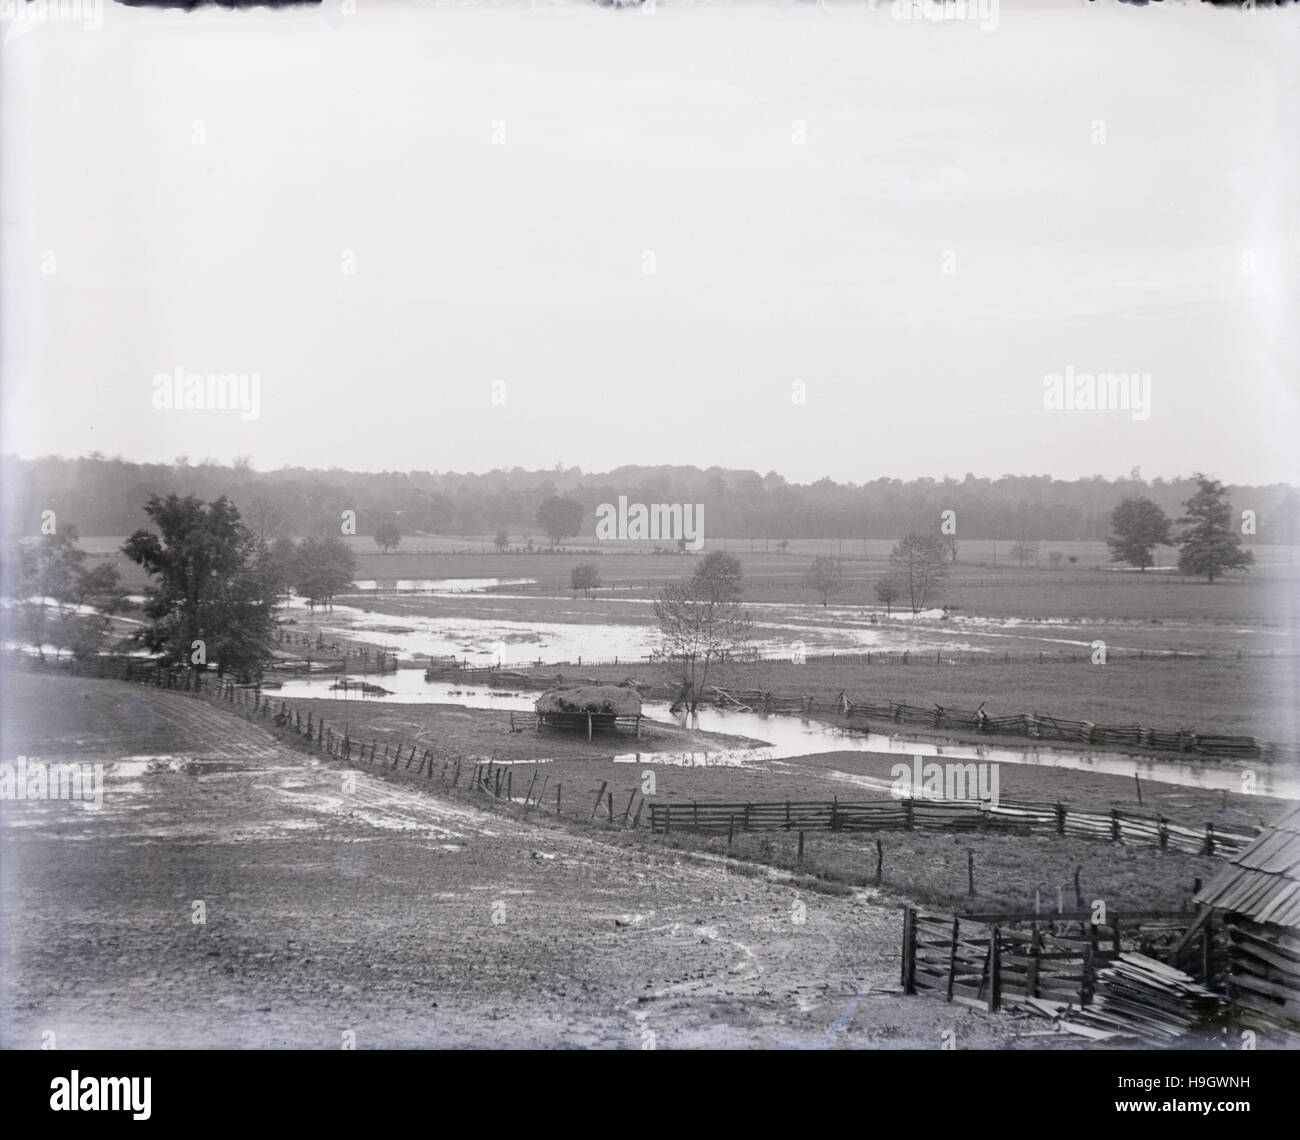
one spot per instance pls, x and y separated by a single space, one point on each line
325 567
919 565
1139 526
698 630
1209 543
213 601
559 518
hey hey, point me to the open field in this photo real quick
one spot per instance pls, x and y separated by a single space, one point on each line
500 927
1092 587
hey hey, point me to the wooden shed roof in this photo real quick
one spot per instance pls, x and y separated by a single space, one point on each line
1262 882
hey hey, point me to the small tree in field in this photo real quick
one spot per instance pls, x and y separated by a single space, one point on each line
1024 550
698 630
783 545
919 563
888 590
825 576
501 541
387 535
59 602
1054 558
720 576
584 577
1210 543
1139 526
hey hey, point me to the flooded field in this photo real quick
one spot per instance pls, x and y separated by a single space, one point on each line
787 737
479 620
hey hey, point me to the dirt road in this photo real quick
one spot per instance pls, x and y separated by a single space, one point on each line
234 892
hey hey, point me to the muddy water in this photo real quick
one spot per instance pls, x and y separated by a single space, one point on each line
787 737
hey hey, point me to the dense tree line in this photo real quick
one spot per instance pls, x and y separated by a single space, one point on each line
103 497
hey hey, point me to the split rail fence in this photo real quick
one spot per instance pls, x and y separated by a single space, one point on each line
1116 826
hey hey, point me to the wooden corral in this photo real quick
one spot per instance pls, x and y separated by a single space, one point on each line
1258 895
1113 980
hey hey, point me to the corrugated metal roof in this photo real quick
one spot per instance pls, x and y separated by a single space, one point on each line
1262 882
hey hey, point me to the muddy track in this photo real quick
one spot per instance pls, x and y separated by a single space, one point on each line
335 901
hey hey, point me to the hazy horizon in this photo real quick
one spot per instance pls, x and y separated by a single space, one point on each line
387 216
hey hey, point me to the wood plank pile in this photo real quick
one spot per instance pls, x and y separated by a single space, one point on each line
1146 1000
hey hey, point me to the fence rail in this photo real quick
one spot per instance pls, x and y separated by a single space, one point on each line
1116 826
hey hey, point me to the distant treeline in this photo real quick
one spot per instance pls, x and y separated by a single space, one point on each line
105 497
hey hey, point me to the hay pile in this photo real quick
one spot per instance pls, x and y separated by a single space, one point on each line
609 700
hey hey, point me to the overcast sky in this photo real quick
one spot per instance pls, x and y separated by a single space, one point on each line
1116 190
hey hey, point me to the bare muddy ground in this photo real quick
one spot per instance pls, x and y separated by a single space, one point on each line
337 903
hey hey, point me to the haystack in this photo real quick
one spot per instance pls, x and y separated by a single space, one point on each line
609 700
588 707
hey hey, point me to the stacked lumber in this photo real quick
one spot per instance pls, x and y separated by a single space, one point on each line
1143 998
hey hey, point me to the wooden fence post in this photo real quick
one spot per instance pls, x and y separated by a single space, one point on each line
952 956
995 972
909 949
